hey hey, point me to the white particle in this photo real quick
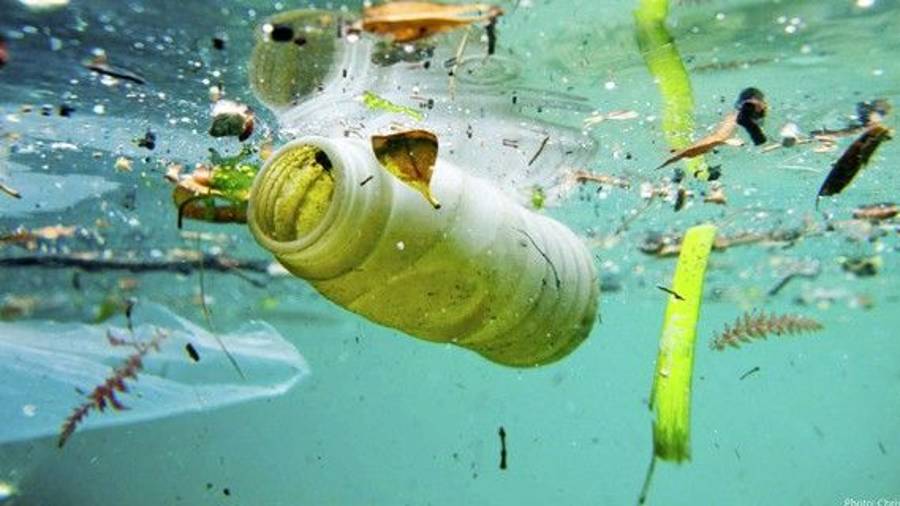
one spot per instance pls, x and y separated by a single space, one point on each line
720 16
99 109
29 410
401 245
610 85
865 4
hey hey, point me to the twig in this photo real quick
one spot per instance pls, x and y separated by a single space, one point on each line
502 448
94 263
539 151
10 191
670 292
748 373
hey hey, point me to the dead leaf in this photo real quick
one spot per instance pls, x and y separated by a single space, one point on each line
857 155
720 136
195 199
410 21
410 156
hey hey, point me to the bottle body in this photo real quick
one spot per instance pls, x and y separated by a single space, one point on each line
481 272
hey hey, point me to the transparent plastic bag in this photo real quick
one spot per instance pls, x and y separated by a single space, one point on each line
48 369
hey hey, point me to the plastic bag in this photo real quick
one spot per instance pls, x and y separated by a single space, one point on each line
48 369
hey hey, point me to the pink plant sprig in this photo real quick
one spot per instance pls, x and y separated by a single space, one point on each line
750 326
104 394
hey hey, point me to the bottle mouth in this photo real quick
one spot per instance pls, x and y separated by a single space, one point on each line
292 199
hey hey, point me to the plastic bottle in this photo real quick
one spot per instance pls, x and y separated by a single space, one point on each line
481 272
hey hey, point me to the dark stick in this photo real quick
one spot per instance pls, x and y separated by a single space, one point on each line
750 372
209 262
502 448
539 151
670 292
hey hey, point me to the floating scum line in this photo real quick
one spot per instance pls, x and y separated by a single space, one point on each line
665 64
670 399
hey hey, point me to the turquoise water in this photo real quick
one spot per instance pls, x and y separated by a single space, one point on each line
387 419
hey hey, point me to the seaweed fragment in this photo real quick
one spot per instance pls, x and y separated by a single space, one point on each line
854 158
105 394
373 101
751 326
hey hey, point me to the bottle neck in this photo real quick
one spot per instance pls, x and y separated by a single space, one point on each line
356 210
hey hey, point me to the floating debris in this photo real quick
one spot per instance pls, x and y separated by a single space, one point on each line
502 433
749 373
716 195
411 157
10 191
148 141
231 119
411 21
671 292
854 158
876 212
875 111
809 270
123 164
192 352
723 132
44 5
174 261
862 267
598 117
790 135
752 108
100 64
752 326
29 239
582 176
4 52
373 101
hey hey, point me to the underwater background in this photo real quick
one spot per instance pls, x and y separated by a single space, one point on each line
386 419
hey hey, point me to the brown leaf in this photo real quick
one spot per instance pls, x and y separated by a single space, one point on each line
410 156
720 136
856 156
410 21
196 200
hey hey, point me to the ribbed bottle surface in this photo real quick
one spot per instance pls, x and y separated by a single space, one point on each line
481 272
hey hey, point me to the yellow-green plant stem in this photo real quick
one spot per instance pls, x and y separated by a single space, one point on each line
665 64
671 396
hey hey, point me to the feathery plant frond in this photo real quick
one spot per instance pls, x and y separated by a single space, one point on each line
104 394
752 325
